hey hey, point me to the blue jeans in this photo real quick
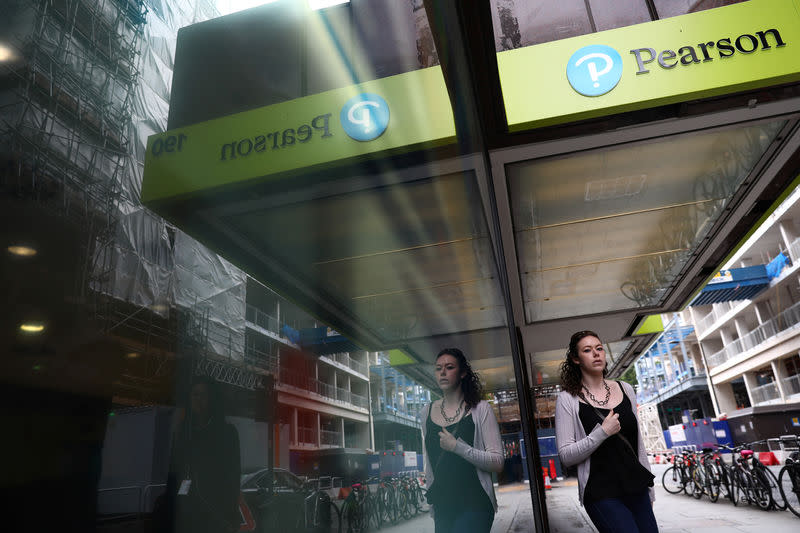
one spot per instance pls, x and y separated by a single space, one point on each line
629 514
462 520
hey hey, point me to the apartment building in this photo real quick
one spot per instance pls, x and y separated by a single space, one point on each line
734 351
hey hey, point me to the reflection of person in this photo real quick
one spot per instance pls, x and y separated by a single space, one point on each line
597 429
462 448
203 485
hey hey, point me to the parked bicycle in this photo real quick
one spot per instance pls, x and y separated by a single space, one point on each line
789 477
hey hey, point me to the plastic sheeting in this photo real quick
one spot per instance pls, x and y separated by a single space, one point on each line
154 265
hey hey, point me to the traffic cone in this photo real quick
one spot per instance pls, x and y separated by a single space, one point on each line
553 469
546 477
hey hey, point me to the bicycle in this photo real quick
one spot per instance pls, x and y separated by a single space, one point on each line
677 477
789 479
353 513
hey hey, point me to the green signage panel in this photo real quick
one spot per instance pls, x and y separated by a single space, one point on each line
406 111
735 48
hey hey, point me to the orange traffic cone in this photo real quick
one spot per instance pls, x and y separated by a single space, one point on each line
546 477
553 469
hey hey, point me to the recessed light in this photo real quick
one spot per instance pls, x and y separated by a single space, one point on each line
22 251
32 327
132 355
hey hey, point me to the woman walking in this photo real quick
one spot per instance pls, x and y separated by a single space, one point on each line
597 429
462 448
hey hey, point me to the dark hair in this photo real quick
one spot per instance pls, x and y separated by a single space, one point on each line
471 384
216 407
570 371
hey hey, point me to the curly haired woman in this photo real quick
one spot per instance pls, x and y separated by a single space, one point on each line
462 448
597 429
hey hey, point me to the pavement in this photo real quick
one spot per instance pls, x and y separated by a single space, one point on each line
675 513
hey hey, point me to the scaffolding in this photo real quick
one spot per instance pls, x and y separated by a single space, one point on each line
650 426
65 108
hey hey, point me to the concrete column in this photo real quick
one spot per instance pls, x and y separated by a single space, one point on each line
725 400
295 427
341 420
383 387
370 424
741 330
318 430
278 315
779 372
750 384
788 235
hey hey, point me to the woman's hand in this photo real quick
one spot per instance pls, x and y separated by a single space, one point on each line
448 441
611 423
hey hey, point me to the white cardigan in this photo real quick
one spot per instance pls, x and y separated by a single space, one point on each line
486 454
575 447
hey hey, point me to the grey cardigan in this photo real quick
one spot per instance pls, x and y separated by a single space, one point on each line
575 447
486 454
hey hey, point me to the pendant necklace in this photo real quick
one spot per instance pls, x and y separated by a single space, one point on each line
450 419
595 400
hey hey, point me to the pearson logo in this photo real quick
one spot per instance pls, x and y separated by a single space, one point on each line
594 70
365 117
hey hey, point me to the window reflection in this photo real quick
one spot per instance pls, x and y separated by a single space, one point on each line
672 8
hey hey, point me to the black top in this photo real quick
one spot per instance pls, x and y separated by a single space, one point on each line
455 479
614 471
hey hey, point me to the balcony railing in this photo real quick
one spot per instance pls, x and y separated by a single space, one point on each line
794 250
791 385
786 320
330 438
261 319
765 393
302 381
345 359
717 311
306 435
255 357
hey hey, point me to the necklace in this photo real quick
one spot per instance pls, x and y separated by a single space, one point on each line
595 400
450 419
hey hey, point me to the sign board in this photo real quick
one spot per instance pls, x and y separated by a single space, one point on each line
398 113
677 433
410 459
722 276
699 55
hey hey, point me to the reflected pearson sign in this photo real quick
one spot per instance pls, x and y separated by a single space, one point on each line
724 50
402 112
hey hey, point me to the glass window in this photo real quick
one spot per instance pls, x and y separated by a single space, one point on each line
672 8
612 228
608 15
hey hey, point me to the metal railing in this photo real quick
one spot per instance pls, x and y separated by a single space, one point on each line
255 357
304 382
330 438
794 250
345 359
717 311
306 435
786 320
792 384
765 393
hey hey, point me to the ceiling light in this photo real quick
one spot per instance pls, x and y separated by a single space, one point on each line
22 251
32 327
6 54
132 355
322 4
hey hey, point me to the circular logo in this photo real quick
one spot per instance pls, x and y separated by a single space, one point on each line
365 117
594 70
